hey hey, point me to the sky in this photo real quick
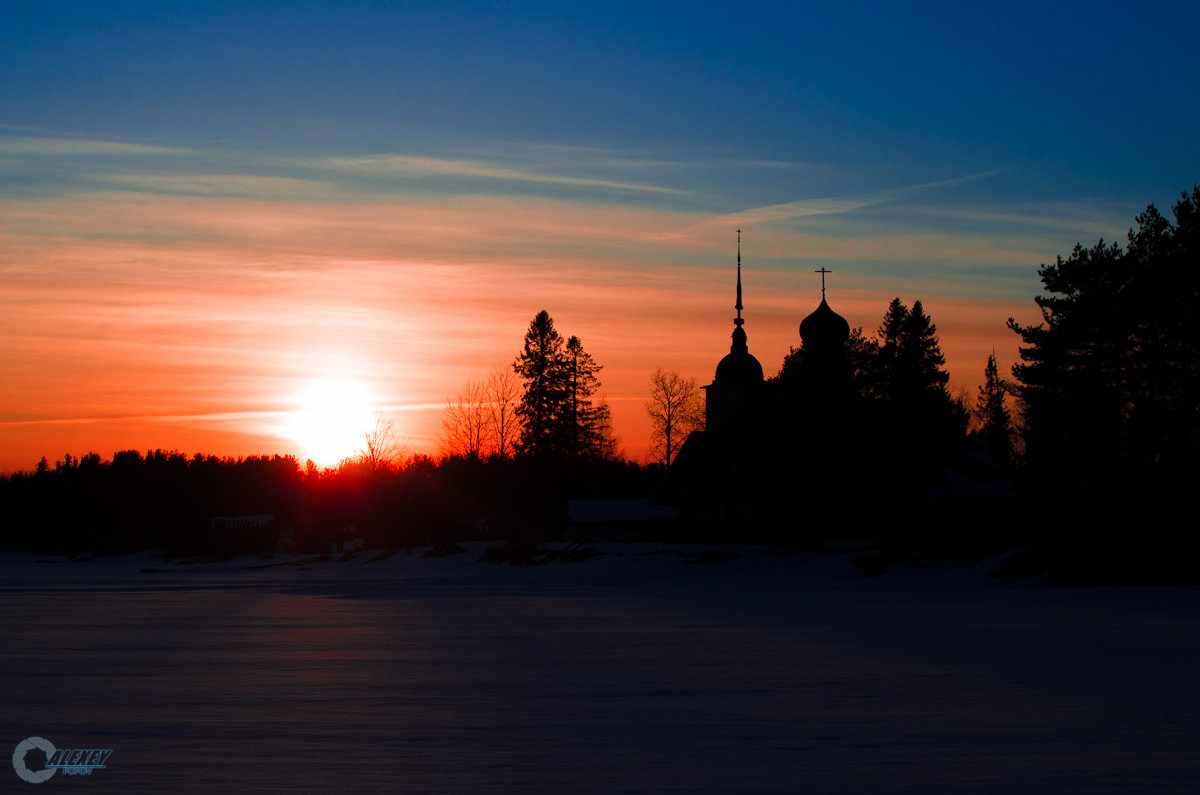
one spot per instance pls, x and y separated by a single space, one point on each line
246 228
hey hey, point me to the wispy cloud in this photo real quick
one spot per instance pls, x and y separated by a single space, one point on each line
643 159
18 145
838 204
1082 219
454 167
245 185
224 416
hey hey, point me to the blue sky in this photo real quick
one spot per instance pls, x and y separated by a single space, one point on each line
574 158
1097 96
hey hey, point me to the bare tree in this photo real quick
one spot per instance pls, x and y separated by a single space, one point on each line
466 422
382 450
503 392
676 409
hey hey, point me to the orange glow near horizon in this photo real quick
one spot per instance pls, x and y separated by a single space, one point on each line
234 326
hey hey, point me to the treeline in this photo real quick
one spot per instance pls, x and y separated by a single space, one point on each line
1109 381
516 449
1106 395
1098 428
187 505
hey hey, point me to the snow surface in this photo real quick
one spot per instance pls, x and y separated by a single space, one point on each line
647 667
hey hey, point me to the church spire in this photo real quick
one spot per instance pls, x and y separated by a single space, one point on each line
739 333
738 369
738 305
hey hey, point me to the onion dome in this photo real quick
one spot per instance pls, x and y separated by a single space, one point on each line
824 327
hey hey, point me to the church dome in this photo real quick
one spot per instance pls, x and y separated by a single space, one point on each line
739 366
824 327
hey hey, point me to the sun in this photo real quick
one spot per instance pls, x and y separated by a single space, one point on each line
331 419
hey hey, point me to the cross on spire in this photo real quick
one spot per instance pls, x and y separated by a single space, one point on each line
823 271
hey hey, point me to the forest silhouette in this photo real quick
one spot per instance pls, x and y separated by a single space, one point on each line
1080 465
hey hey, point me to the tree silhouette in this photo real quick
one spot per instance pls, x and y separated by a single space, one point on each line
888 349
382 450
481 420
911 377
559 413
467 422
603 441
861 355
1111 376
991 411
503 390
676 408
921 352
545 402
586 422
910 357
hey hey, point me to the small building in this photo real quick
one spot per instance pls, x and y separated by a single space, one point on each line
618 520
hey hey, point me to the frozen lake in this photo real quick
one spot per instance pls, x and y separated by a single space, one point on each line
643 672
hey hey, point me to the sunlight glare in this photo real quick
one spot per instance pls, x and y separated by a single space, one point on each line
331 420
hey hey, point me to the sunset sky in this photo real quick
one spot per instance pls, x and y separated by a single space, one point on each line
224 224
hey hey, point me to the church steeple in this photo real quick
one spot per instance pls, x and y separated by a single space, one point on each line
732 400
738 305
739 333
739 367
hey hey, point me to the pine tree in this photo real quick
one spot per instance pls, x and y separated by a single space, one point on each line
886 366
908 357
991 411
921 360
558 410
547 397
911 381
603 441
1111 376
1073 363
893 324
587 422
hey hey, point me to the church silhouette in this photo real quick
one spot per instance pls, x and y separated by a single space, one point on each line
776 452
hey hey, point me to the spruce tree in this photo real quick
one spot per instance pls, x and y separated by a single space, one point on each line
885 381
546 401
910 378
558 410
921 361
991 411
908 357
588 422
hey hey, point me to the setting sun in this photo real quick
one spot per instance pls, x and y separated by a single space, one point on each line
330 421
